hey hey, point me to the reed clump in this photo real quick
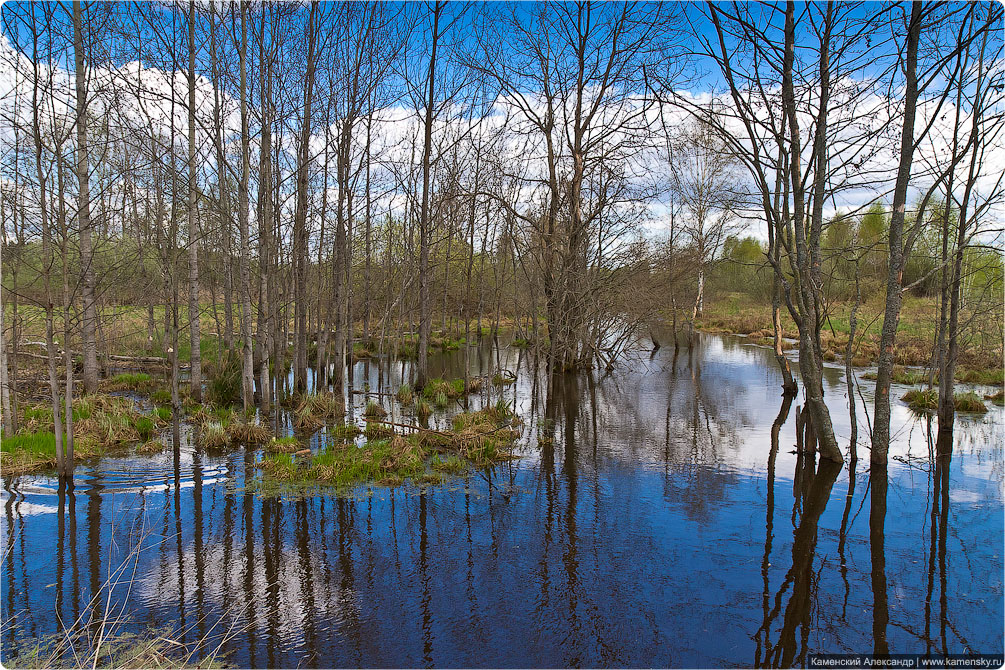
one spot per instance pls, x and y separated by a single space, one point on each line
316 409
249 433
213 435
405 395
969 402
922 399
373 410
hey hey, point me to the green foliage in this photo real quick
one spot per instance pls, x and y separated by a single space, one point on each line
39 444
344 431
163 413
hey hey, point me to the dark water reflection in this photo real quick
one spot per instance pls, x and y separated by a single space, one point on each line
658 517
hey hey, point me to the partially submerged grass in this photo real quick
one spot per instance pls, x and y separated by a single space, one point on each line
163 413
248 433
990 377
928 399
286 445
441 400
503 378
450 389
423 409
150 447
405 395
922 399
316 409
997 398
478 439
213 435
114 649
969 402
100 422
344 431
374 410
31 452
375 430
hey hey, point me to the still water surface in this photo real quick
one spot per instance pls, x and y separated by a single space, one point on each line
657 524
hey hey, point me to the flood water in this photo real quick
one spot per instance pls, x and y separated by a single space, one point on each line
651 520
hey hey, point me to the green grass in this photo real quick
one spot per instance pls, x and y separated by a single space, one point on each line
374 410
969 402
928 399
344 431
161 397
213 435
163 413
451 389
376 430
997 398
441 400
287 444
423 409
144 426
130 378
405 395
37 444
479 440
922 399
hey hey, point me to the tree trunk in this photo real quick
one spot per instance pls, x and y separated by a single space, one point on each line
422 370
195 358
247 376
895 270
88 287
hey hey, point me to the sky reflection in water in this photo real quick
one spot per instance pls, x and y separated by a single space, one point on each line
660 526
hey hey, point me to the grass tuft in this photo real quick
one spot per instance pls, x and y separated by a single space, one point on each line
969 402
285 445
922 399
405 395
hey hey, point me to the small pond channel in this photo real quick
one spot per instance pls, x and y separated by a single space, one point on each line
650 521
